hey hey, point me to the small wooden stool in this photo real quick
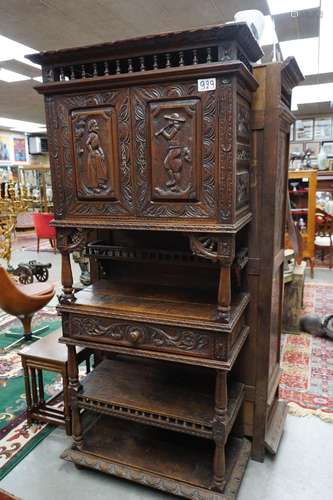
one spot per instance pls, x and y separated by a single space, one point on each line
48 354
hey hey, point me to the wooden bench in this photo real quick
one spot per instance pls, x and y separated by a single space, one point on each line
48 354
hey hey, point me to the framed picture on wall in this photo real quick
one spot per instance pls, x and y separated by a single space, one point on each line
5 148
314 146
20 153
328 147
304 130
296 147
323 128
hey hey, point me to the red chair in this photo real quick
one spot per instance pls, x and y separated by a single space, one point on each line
43 229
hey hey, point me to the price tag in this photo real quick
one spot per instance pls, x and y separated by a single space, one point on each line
205 84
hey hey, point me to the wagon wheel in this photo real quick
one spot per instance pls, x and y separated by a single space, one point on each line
26 278
42 274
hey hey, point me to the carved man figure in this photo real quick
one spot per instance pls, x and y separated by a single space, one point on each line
171 129
173 161
96 166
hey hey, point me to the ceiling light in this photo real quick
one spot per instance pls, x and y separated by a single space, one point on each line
281 6
325 40
15 50
305 50
311 93
20 125
11 76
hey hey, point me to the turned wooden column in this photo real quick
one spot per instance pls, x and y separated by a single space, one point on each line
74 387
69 240
224 292
219 430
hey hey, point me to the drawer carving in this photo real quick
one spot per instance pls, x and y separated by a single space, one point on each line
148 336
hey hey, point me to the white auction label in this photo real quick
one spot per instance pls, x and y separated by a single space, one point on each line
205 84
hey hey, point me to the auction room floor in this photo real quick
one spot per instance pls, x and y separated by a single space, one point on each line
301 470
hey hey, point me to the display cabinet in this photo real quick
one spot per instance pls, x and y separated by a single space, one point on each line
150 151
302 186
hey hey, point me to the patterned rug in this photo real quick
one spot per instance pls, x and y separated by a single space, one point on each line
307 361
16 438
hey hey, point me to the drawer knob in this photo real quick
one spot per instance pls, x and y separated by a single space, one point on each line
134 336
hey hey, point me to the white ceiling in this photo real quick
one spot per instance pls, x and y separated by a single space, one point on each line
56 24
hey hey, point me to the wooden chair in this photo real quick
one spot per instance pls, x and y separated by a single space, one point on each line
324 234
23 301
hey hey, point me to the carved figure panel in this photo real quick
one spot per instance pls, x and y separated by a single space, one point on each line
95 152
174 155
90 147
242 190
175 134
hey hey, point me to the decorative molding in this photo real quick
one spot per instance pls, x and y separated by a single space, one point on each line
218 248
167 485
70 239
141 335
226 126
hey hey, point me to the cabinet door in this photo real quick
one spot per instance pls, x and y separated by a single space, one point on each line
90 154
175 141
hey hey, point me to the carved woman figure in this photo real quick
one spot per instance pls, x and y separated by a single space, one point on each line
97 170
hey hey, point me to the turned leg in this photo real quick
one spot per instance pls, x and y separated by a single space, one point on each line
74 387
219 430
27 390
224 293
66 278
67 406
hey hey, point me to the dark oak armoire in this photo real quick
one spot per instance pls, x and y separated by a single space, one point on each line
157 147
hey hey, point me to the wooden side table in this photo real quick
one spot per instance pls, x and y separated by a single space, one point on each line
48 354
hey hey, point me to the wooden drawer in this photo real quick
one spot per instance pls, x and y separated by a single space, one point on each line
197 343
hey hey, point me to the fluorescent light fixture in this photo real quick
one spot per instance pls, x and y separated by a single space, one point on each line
305 50
22 126
311 93
325 34
15 50
11 76
39 79
281 6
268 36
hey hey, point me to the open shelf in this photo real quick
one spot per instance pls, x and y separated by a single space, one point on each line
172 305
159 394
156 457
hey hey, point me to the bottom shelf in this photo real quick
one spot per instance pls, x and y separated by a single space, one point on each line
175 463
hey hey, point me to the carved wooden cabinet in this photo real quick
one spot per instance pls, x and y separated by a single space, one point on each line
150 151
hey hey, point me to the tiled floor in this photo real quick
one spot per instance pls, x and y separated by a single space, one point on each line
302 470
